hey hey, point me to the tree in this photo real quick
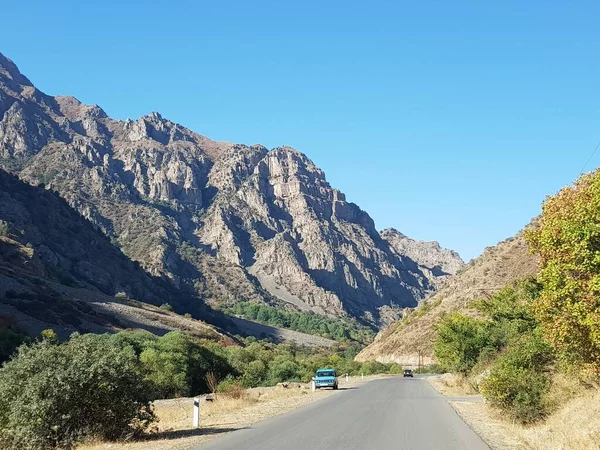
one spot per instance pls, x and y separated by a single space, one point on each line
460 340
567 239
55 395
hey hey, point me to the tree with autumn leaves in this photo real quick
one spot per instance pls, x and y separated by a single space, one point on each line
567 239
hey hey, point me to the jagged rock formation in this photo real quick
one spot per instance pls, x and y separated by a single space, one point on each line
233 221
437 263
497 267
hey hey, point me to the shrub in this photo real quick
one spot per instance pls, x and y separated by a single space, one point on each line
177 365
49 335
166 307
518 379
55 395
285 370
373 367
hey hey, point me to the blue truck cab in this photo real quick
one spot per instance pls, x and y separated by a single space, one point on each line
325 378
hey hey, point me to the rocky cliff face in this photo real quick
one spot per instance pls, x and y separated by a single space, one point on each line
436 263
235 222
58 271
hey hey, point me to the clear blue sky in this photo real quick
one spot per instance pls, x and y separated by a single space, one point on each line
450 121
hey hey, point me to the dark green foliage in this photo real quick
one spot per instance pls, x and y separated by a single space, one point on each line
176 365
519 379
54 395
460 340
337 329
509 342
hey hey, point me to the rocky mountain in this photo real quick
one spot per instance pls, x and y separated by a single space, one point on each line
436 263
58 271
498 266
234 222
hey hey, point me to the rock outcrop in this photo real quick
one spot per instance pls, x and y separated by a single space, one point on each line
233 222
437 263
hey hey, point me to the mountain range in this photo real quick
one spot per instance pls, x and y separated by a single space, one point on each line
218 221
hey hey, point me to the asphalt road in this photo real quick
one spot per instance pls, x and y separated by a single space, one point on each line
392 413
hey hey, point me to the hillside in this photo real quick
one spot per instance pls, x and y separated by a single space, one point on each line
495 268
230 222
58 271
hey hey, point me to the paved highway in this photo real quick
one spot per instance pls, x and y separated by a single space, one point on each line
391 413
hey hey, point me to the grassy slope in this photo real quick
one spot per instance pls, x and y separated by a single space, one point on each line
495 268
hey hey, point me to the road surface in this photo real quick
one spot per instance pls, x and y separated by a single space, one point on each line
391 413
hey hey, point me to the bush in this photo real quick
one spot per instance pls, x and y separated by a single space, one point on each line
55 395
177 365
373 367
166 307
285 370
519 379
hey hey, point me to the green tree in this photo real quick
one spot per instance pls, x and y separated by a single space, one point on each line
56 395
567 239
460 340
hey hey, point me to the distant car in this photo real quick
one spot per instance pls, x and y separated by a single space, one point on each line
408 373
325 378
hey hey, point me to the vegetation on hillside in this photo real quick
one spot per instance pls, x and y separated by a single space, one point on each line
507 343
514 342
310 323
567 238
56 394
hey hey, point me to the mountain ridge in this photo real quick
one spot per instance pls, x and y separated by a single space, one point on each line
235 222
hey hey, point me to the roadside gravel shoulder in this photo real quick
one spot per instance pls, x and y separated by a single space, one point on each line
224 415
471 407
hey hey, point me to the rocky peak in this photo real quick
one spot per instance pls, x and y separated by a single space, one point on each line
76 111
434 259
9 74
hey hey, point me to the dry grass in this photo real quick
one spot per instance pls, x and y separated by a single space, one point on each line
573 425
452 385
227 413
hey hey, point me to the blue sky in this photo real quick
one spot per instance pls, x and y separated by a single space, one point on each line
449 121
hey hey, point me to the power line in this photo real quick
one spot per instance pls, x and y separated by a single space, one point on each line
590 158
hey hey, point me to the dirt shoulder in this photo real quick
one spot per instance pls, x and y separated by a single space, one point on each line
227 413
574 426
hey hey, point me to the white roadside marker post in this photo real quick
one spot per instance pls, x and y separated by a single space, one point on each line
313 386
346 378
362 376
196 420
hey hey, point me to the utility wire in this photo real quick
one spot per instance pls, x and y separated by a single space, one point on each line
590 158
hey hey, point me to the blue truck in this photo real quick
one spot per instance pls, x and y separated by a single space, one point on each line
325 378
